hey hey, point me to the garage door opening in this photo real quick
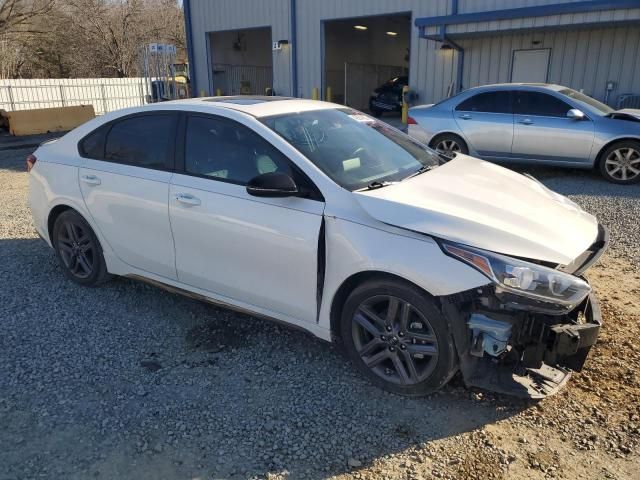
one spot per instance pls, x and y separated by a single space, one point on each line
363 54
241 61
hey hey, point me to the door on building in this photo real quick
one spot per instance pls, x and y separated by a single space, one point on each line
364 58
241 61
530 66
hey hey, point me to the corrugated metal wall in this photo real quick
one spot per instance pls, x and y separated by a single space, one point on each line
220 15
580 59
471 6
602 16
487 58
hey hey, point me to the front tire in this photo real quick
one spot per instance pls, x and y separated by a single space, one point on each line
620 162
78 250
397 338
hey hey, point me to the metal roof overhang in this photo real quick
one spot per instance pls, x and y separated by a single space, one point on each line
472 24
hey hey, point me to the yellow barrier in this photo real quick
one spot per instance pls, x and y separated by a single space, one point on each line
218 92
43 120
315 93
405 105
329 96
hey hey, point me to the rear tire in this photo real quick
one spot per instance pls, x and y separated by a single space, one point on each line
397 338
449 144
620 162
78 250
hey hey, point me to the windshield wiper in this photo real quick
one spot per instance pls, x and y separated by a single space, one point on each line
373 185
422 169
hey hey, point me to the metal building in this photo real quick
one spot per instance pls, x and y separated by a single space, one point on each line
296 46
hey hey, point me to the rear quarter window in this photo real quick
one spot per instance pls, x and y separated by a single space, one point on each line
92 146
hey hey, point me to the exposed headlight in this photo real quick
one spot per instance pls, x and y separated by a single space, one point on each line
522 278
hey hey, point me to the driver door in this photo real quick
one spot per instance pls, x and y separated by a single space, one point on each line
261 252
542 131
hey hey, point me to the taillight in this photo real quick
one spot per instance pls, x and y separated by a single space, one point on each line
411 121
31 161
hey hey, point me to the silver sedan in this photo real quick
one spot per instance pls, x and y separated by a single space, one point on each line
533 123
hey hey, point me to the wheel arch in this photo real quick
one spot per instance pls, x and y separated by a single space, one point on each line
62 207
447 132
598 157
54 213
352 282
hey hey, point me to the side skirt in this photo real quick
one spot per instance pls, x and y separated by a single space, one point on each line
301 326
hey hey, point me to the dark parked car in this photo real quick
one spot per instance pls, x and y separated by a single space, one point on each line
388 97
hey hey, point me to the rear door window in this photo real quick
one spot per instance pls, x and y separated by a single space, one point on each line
539 104
488 102
142 141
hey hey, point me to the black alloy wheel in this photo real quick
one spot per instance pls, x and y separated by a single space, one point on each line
394 340
78 249
396 336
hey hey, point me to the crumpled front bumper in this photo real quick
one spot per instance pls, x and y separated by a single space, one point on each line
547 358
572 342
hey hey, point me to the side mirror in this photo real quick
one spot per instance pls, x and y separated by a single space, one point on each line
575 114
272 184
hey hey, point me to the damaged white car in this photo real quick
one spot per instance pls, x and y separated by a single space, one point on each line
326 219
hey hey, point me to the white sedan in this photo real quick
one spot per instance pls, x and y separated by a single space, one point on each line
324 218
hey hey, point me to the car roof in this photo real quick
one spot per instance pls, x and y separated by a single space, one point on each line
255 105
507 86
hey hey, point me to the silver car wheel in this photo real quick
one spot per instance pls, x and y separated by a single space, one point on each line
448 148
623 163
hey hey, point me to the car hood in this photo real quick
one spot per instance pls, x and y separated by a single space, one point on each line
480 204
626 113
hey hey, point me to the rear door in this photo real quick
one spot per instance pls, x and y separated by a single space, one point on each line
486 120
262 252
125 185
542 130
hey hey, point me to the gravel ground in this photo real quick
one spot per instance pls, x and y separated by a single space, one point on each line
128 381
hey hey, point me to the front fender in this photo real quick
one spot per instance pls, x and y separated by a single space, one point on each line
354 248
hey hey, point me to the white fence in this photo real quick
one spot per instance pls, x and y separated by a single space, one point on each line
105 94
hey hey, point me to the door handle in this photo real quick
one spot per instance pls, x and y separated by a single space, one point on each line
465 116
187 199
91 180
526 121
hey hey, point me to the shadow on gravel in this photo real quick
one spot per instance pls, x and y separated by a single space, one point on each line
288 404
128 381
14 160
